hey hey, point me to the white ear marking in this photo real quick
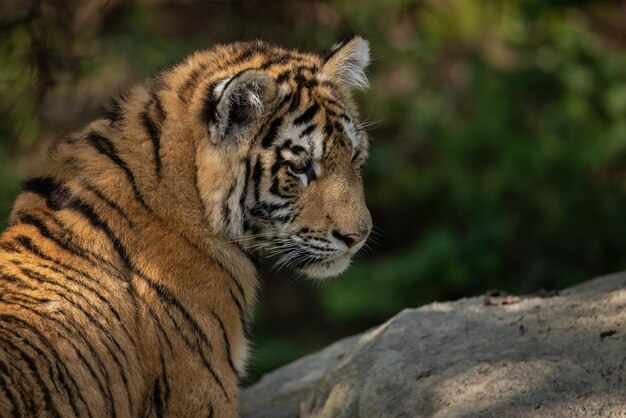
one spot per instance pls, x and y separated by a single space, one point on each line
221 86
348 62
240 100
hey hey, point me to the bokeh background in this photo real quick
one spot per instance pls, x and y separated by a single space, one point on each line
499 136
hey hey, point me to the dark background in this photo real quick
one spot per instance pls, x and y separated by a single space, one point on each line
499 136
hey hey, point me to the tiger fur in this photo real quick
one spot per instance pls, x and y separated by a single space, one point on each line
127 272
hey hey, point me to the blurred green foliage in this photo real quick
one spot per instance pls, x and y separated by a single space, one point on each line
499 138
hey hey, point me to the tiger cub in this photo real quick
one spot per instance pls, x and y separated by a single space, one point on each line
126 272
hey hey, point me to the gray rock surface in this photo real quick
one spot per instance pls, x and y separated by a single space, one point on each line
562 356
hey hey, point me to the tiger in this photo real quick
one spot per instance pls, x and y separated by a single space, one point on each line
129 267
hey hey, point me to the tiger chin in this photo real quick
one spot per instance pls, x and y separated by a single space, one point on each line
127 273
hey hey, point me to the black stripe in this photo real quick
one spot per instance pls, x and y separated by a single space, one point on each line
96 260
240 311
51 190
42 279
234 110
244 193
154 132
4 373
210 413
168 297
161 291
15 281
209 110
308 130
110 203
61 374
17 380
295 101
158 108
274 189
221 266
272 132
157 321
329 84
225 206
56 195
105 390
271 206
25 381
106 147
157 398
97 324
284 101
330 52
64 269
44 231
34 371
257 176
308 115
166 383
304 82
190 83
282 77
8 247
227 346
28 244
195 349
72 248
7 335
209 106
92 290
328 131
196 75
245 55
114 111
329 101
284 59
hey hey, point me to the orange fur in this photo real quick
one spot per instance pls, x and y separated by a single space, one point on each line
126 273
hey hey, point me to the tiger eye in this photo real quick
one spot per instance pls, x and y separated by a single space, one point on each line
299 166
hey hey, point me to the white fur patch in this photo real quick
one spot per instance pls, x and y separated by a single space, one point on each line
219 88
349 62
242 354
316 144
353 70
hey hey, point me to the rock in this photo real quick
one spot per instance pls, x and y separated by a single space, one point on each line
560 356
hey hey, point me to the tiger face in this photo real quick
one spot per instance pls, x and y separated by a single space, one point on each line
311 205
296 131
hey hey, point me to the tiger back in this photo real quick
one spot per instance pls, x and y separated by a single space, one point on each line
127 273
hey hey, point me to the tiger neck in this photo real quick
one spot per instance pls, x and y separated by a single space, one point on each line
146 190
99 203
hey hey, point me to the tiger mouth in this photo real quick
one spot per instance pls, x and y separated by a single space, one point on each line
313 264
322 268
309 260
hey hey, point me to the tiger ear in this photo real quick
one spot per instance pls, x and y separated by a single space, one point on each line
347 61
236 103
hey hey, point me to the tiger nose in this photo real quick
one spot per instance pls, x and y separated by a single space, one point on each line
351 239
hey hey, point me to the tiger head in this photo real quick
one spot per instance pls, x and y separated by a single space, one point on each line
288 124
